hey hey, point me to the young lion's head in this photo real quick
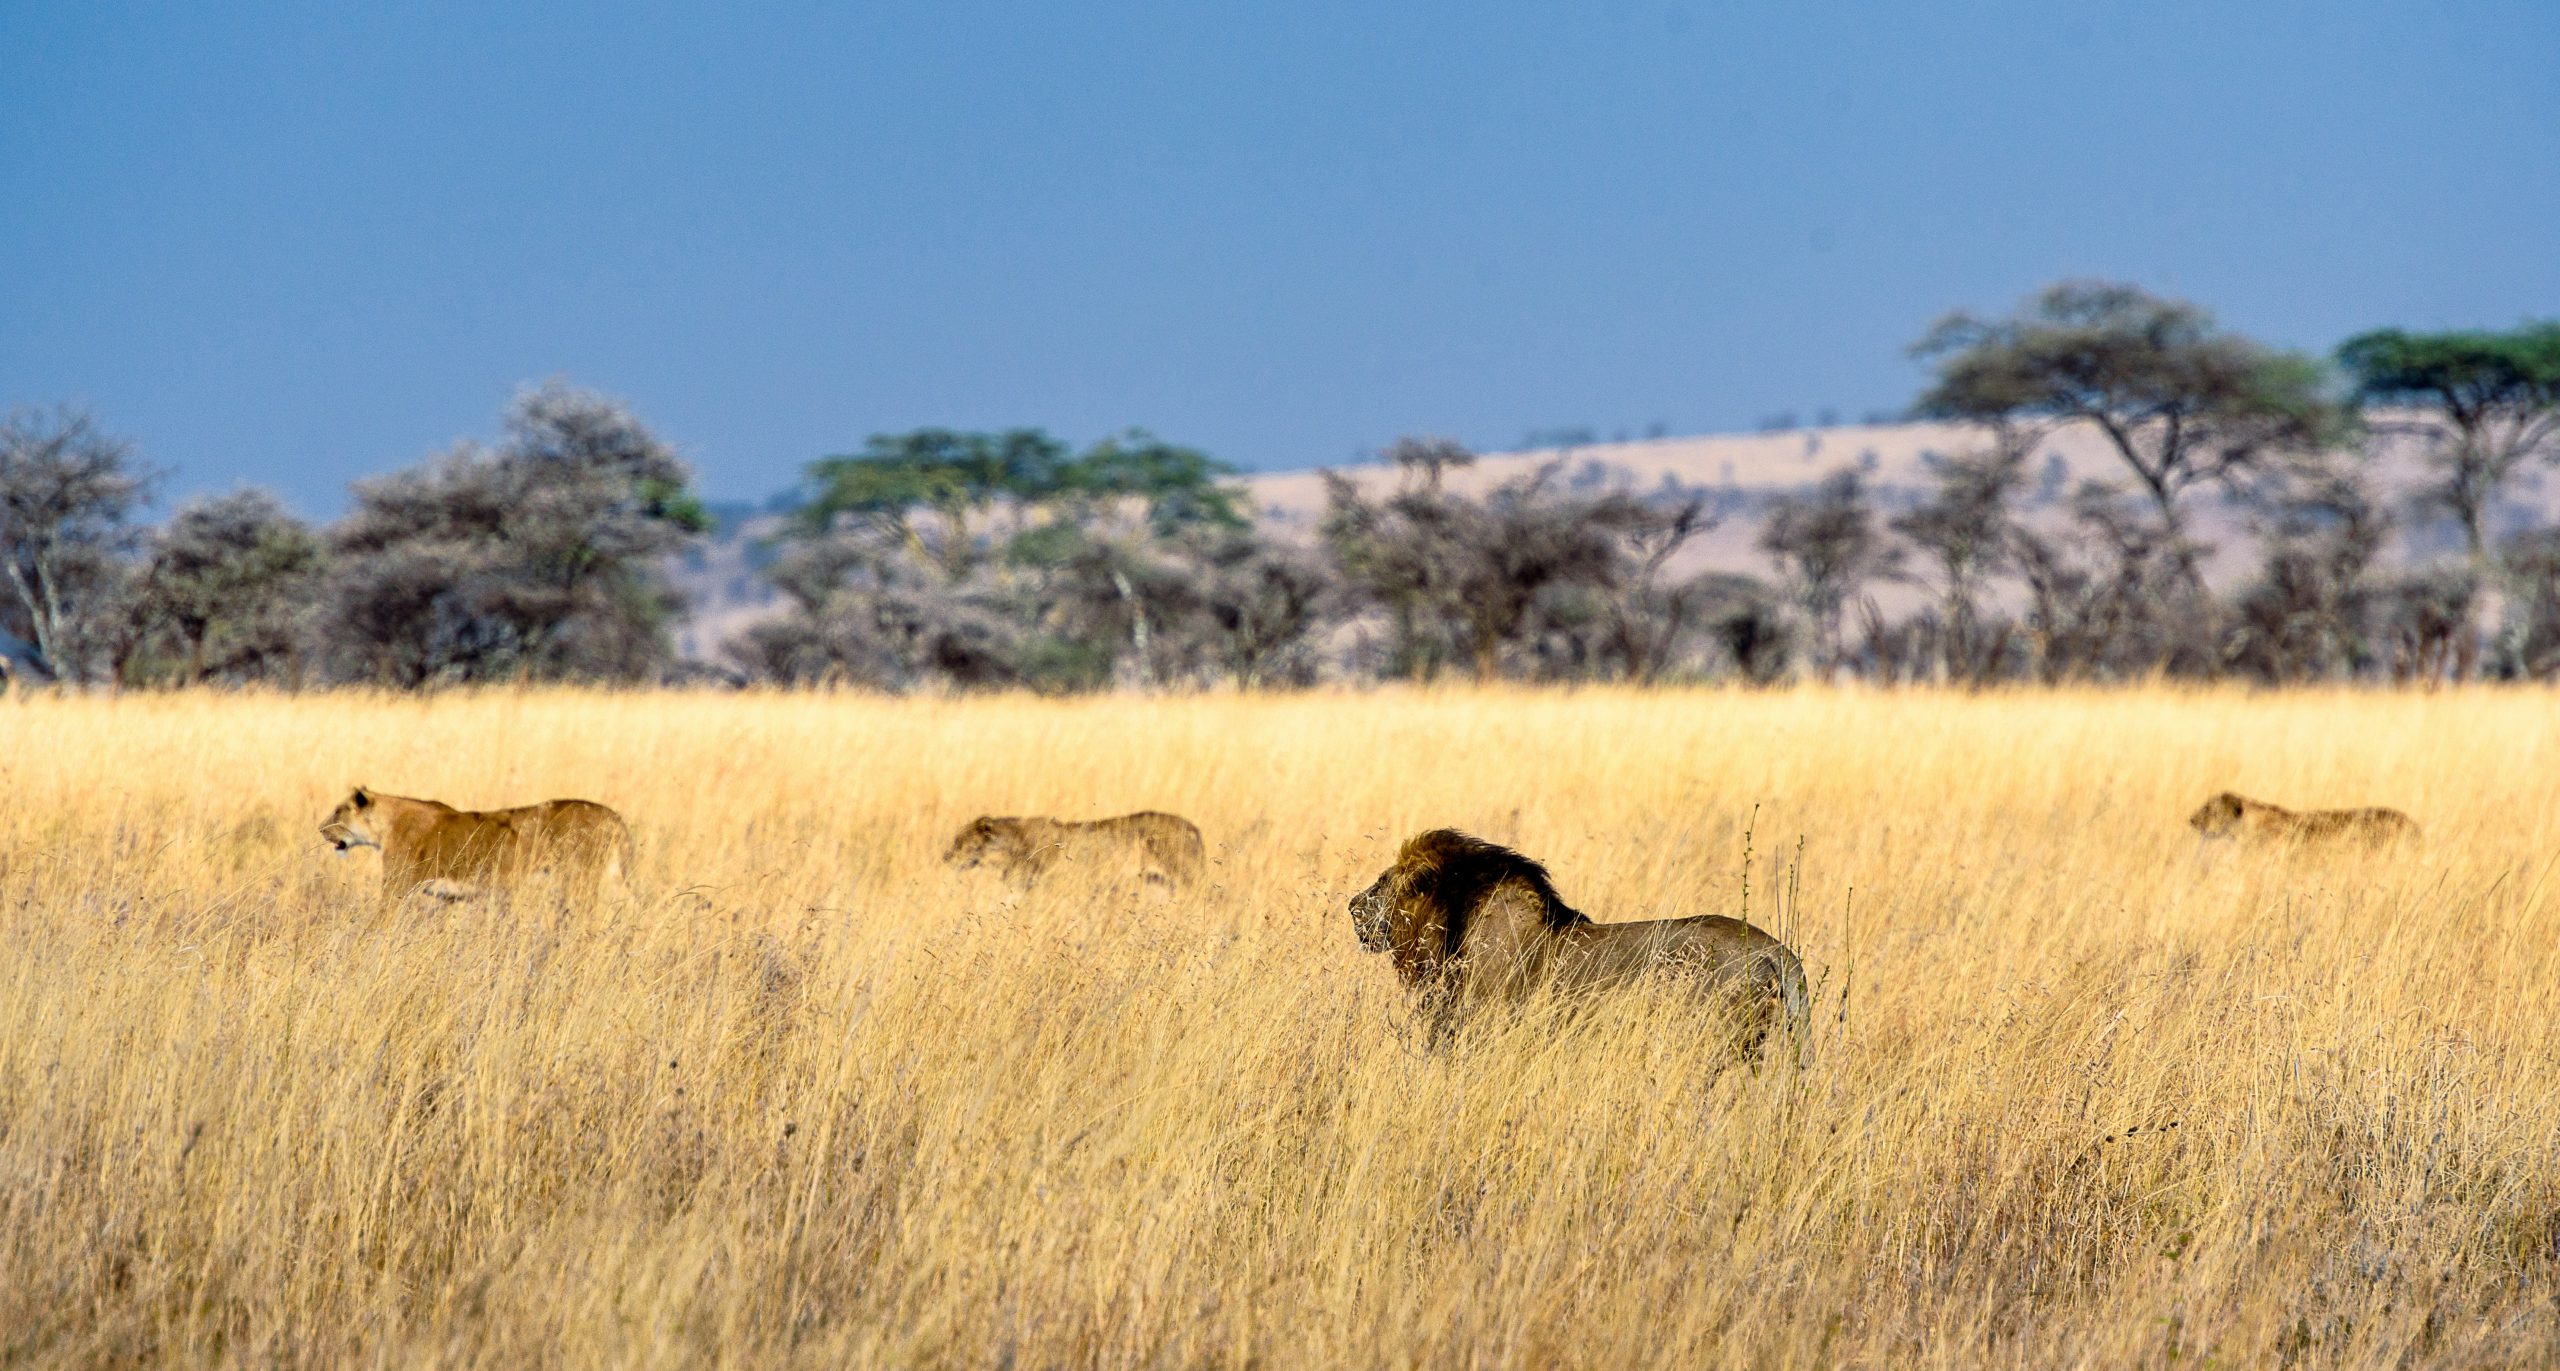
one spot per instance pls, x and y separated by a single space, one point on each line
350 825
985 840
2218 816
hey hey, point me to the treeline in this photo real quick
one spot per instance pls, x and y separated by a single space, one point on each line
940 559
537 558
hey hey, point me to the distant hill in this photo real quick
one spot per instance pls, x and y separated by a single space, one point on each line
1740 474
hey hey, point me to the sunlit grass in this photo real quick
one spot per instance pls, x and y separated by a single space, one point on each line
2082 1091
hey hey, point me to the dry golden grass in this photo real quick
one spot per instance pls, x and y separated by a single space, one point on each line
2081 1094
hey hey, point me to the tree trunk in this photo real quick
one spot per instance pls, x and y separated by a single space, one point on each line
1138 640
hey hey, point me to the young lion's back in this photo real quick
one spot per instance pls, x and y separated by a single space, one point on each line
1149 844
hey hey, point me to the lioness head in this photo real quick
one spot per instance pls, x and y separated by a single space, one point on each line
2218 817
350 825
985 839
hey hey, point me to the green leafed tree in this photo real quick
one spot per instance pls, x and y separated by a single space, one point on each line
954 476
2493 402
1176 487
1093 561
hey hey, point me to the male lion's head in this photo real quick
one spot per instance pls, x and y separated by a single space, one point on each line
2218 816
984 840
1373 908
350 825
1417 909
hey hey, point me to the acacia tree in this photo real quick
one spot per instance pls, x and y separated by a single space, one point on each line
955 476
2493 402
1110 542
67 496
2181 402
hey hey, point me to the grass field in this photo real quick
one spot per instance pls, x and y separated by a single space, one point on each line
2081 1093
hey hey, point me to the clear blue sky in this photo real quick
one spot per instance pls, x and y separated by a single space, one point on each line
294 244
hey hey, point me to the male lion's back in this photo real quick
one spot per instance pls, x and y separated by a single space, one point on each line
1733 961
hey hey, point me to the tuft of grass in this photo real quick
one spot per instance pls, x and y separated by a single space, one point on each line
2097 1096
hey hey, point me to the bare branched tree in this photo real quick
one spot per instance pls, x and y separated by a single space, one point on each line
536 559
1650 615
1830 546
68 493
1967 531
229 579
1460 576
2532 567
2097 593
2311 612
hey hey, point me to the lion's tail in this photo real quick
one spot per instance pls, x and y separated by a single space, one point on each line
622 859
1795 999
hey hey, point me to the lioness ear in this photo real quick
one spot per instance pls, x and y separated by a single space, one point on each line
363 800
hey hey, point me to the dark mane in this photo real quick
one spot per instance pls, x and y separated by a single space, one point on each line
1457 870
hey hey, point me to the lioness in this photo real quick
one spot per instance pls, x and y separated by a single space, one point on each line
1153 847
1469 923
432 847
2230 815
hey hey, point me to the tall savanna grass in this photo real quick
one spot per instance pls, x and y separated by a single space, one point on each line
2082 1091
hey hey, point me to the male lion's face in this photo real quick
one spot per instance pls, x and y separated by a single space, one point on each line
350 825
2218 816
1370 910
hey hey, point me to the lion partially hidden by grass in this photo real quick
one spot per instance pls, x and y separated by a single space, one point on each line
432 848
2230 815
1469 923
1146 846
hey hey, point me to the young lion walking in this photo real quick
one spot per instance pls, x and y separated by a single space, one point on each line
1147 845
431 847
2232 815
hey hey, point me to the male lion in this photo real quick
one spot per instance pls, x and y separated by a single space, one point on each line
1153 847
2230 815
452 853
1469 923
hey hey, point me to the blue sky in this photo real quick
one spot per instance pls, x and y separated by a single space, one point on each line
296 246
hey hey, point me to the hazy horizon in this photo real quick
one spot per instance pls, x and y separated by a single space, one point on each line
305 246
